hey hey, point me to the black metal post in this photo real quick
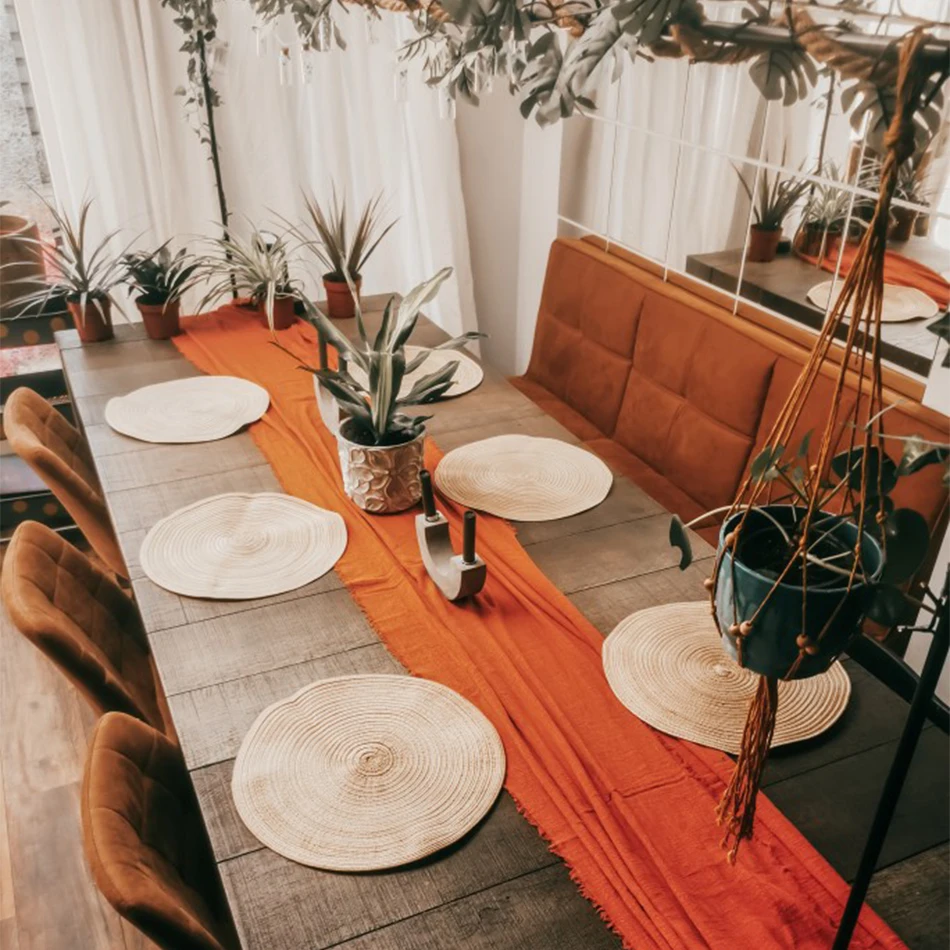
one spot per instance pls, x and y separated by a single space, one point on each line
936 656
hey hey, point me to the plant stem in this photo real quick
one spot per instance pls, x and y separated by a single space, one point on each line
207 94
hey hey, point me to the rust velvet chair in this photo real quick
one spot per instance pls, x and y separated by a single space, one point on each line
57 452
83 621
145 840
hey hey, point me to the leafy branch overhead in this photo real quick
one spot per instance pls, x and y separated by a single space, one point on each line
551 52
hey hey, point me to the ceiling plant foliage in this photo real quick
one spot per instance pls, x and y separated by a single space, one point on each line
550 52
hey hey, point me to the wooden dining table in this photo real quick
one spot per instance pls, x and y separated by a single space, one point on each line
222 662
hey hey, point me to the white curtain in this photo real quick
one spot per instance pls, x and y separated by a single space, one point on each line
104 73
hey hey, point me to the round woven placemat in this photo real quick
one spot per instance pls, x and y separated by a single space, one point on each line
524 478
361 773
666 665
198 409
237 546
468 375
899 304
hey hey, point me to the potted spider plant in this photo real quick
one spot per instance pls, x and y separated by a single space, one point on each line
380 444
258 268
770 206
159 279
86 274
825 214
342 254
773 560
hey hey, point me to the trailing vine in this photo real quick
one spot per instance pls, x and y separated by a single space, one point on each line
199 23
462 44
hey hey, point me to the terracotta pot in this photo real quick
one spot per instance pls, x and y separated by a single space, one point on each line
160 319
902 226
382 479
763 243
95 325
809 239
339 299
22 261
284 316
771 646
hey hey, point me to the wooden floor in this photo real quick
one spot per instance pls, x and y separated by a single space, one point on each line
49 902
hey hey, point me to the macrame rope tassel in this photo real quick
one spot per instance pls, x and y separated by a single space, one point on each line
737 807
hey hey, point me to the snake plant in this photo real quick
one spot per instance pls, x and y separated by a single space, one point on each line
376 413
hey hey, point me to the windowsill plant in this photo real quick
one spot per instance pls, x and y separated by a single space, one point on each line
85 275
159 280
341 254
258 268
775 198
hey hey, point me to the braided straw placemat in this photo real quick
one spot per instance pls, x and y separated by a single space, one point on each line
899 303
242 546
366 772
666 665
198 409
468 374
524 478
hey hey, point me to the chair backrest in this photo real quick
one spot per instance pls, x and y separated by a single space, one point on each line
682 383
145 840
82 620
57 452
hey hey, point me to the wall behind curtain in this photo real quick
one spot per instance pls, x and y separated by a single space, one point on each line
104 74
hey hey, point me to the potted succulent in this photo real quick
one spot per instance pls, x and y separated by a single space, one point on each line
380 444
258 268
340 253
761 582
771 206
86 275
159 279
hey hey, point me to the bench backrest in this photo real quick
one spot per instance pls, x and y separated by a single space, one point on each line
680 382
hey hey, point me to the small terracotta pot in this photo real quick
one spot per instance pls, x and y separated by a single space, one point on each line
763 243
95 325
382 479
340 304
902 226
160 319
284 316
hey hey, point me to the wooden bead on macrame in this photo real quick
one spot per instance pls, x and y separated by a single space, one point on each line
734 630
730 539
708 583
745 628
801 641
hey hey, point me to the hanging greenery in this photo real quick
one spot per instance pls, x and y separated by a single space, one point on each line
463 44
199 23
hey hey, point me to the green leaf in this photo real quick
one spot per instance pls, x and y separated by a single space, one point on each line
679 538
806 442
848 464
919 453
784 74
764 464
907 540
886 606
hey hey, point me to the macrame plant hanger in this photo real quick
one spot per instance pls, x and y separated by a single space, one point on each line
862 294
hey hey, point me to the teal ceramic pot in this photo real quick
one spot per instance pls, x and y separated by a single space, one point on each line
770 648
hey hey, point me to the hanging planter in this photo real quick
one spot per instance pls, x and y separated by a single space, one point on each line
92 317
754 611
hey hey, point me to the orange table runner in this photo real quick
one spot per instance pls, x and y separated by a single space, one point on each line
630 810
899 270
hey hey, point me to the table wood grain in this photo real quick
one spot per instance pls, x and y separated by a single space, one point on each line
222 663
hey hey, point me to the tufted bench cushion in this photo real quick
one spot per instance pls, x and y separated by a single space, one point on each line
672 390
